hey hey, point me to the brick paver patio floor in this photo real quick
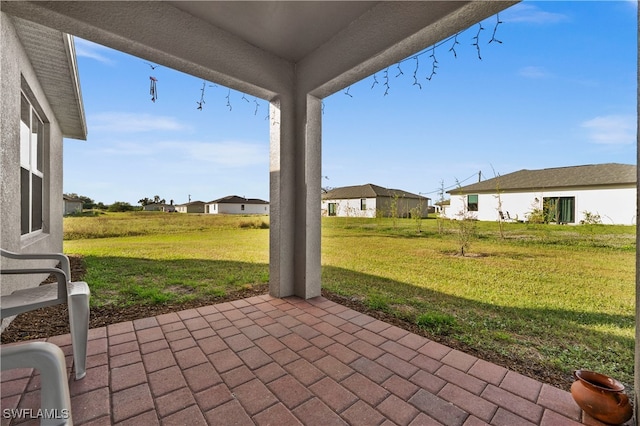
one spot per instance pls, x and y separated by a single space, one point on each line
269 361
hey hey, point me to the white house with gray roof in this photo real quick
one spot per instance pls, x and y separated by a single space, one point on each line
233 204
565 195
371 200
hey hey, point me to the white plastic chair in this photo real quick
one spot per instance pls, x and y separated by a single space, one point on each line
49 360
75 294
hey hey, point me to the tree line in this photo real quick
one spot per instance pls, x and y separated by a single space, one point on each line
118 206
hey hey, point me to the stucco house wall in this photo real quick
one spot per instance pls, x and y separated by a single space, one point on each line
374 207
614 203
192 207
39 64
351 207
18 73
234 204
238 208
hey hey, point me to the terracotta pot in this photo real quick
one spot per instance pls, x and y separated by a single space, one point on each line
602 397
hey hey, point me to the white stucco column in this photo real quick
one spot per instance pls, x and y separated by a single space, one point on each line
295 170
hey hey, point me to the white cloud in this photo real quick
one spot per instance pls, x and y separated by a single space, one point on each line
531 14
191 155
92 50
222 154
122 122
534 72
612 129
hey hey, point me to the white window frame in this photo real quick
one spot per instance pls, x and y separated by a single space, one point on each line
32 149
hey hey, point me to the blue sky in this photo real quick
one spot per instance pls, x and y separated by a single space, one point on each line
560 90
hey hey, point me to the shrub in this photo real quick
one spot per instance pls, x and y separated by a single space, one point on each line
120 206
591 219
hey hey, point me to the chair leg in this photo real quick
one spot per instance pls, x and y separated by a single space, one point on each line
78 301
49 360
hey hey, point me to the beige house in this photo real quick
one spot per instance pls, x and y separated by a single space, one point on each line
191 207
371 200
71 205
41 104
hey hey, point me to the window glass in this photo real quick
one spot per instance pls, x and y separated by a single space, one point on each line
472 203
31 168
36 203
37 141
25 125
363 204
25 190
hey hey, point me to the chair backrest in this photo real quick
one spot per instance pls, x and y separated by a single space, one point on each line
63 259
35 297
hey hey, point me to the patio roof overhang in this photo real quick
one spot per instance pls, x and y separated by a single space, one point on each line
292 54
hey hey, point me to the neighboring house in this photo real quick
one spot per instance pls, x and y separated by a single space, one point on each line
191 207
159 207
372 201
441 207
234 204
40 105
563 194
71 205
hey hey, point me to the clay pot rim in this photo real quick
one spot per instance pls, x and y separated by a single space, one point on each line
598 380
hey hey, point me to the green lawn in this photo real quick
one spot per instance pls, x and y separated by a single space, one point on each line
561 297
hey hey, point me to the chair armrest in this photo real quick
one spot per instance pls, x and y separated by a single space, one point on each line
61 276
63 259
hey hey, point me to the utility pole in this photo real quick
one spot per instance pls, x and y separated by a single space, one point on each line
480 176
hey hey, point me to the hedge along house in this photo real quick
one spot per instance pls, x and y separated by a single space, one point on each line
40 105
233 204
566 195
372 201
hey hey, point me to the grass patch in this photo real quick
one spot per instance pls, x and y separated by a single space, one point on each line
559 297
436 322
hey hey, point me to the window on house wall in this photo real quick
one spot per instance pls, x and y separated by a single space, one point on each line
242 207
332 209
31 167
363 204
559 209
472 203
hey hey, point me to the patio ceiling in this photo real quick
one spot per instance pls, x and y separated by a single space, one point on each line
260 47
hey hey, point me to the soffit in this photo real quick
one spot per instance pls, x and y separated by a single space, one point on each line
288 29
52 56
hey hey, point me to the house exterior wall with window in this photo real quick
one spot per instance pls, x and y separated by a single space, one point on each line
234 204
614 201
350 207
18 77
241 208
30 161
192 207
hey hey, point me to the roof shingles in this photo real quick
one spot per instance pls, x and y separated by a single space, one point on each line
560 177
368 190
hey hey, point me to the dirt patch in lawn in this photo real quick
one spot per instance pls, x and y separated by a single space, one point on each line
53 321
